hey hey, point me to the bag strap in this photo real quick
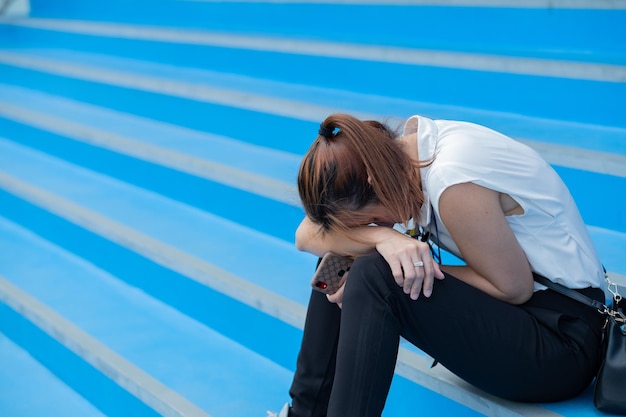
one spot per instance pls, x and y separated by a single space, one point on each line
561 289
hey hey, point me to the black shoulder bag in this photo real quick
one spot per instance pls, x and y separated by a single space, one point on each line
609 393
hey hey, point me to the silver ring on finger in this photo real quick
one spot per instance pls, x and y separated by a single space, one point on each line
418 264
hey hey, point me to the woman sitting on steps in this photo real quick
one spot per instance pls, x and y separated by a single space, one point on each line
484 197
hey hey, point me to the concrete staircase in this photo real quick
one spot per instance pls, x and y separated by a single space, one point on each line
148 155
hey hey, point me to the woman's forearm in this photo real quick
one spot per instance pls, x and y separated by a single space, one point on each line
362 240
514 294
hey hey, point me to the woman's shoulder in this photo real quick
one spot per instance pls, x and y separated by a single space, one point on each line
472 145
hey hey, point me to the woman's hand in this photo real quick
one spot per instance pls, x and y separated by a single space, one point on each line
337 297
411 263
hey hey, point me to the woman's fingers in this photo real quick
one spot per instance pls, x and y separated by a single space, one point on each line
438 273
428 282
412 265
422 278
397 270
413 276
425 272
337 297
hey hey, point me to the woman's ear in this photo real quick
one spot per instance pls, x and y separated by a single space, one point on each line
369 179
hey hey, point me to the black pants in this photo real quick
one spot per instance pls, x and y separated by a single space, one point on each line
544 350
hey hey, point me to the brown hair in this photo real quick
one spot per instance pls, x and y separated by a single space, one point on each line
333 178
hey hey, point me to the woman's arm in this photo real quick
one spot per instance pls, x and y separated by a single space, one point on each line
310 238
400 251
495 261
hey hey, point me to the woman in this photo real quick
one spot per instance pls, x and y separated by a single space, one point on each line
486 198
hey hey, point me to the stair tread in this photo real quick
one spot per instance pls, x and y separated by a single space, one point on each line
228 151
245 88
64 69
610 245
453 80
265 160
537 33
214 372
118 192
30 389
62 297
133 132
195 232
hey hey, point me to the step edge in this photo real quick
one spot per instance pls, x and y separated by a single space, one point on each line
163 254
552 4
417 368
131 378
208 169
578 158
389 54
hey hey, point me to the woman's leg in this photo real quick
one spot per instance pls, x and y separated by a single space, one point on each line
315 370
519 353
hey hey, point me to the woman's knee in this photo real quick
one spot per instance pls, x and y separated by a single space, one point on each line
370 271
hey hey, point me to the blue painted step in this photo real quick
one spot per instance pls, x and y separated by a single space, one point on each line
582 34
29 389
146 259
274 218
179 254
299 133
223 159
85 294
201 114
549 96
49 174
217 374
104 80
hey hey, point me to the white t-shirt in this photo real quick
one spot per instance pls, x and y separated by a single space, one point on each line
551 231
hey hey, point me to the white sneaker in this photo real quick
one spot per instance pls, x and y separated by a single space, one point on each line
284 412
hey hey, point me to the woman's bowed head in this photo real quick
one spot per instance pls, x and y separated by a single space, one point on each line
355 174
